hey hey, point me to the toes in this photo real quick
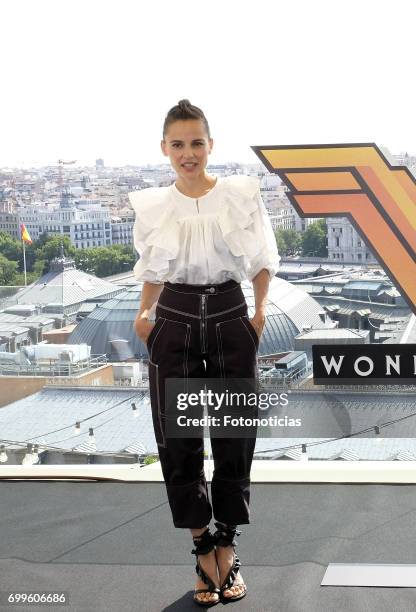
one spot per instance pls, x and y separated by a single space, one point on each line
207 596
237 589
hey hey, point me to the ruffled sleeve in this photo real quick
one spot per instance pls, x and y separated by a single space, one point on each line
154 235
246 227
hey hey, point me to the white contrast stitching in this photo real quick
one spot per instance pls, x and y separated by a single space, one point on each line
159 416
220 351
154 339
215 314
245 323
185 362
188 314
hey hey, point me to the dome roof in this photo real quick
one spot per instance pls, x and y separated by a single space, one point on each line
109 328
64 288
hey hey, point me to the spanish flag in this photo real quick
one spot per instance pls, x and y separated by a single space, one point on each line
25 234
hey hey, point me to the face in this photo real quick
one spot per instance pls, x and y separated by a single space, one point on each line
187 145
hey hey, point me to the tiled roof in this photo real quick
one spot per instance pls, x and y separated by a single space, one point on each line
66 287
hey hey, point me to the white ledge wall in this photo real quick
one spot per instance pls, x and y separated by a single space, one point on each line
339 471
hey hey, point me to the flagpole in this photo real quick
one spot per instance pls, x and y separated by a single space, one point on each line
24 261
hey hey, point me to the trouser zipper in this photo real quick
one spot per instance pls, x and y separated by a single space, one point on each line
203 324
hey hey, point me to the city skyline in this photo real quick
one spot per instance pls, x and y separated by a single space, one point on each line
89 80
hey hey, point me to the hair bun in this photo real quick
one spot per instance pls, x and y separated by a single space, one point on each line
183 111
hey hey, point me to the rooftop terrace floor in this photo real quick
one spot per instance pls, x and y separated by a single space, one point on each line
113 547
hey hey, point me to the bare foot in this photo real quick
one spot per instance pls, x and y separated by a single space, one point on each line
208 563
225 557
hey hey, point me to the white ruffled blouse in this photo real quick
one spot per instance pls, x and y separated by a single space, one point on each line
224 234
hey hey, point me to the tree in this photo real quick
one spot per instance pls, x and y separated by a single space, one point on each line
314 242
8 271
10 248
51 248
105 261
281 244
288 241
150 459
101 261
293 241
31 277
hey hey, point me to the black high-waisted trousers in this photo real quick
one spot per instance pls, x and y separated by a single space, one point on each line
202 331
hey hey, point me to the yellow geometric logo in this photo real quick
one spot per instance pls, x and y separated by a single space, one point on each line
358 182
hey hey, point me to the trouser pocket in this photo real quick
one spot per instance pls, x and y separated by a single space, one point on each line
168 345
154 332
237 343
246 322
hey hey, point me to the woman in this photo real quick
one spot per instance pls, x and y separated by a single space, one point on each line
198 239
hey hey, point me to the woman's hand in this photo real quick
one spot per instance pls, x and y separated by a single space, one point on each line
258 322
149 297
143 328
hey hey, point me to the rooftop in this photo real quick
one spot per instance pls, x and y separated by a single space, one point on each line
328 417
112 545
64 287
332 334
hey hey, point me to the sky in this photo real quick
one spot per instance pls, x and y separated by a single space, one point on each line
83 79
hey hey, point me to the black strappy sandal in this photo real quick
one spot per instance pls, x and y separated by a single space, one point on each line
224 536
203 545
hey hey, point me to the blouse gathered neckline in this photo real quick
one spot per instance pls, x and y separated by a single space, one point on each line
205 195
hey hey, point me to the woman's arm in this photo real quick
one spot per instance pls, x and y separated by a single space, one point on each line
261 288
264 265
150 295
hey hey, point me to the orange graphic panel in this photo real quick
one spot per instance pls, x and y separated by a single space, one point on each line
358 182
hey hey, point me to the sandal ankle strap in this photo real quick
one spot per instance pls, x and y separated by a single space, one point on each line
224 536
203 543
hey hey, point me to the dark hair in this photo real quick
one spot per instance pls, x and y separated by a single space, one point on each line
182 111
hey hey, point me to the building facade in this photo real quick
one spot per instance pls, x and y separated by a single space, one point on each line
345 244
